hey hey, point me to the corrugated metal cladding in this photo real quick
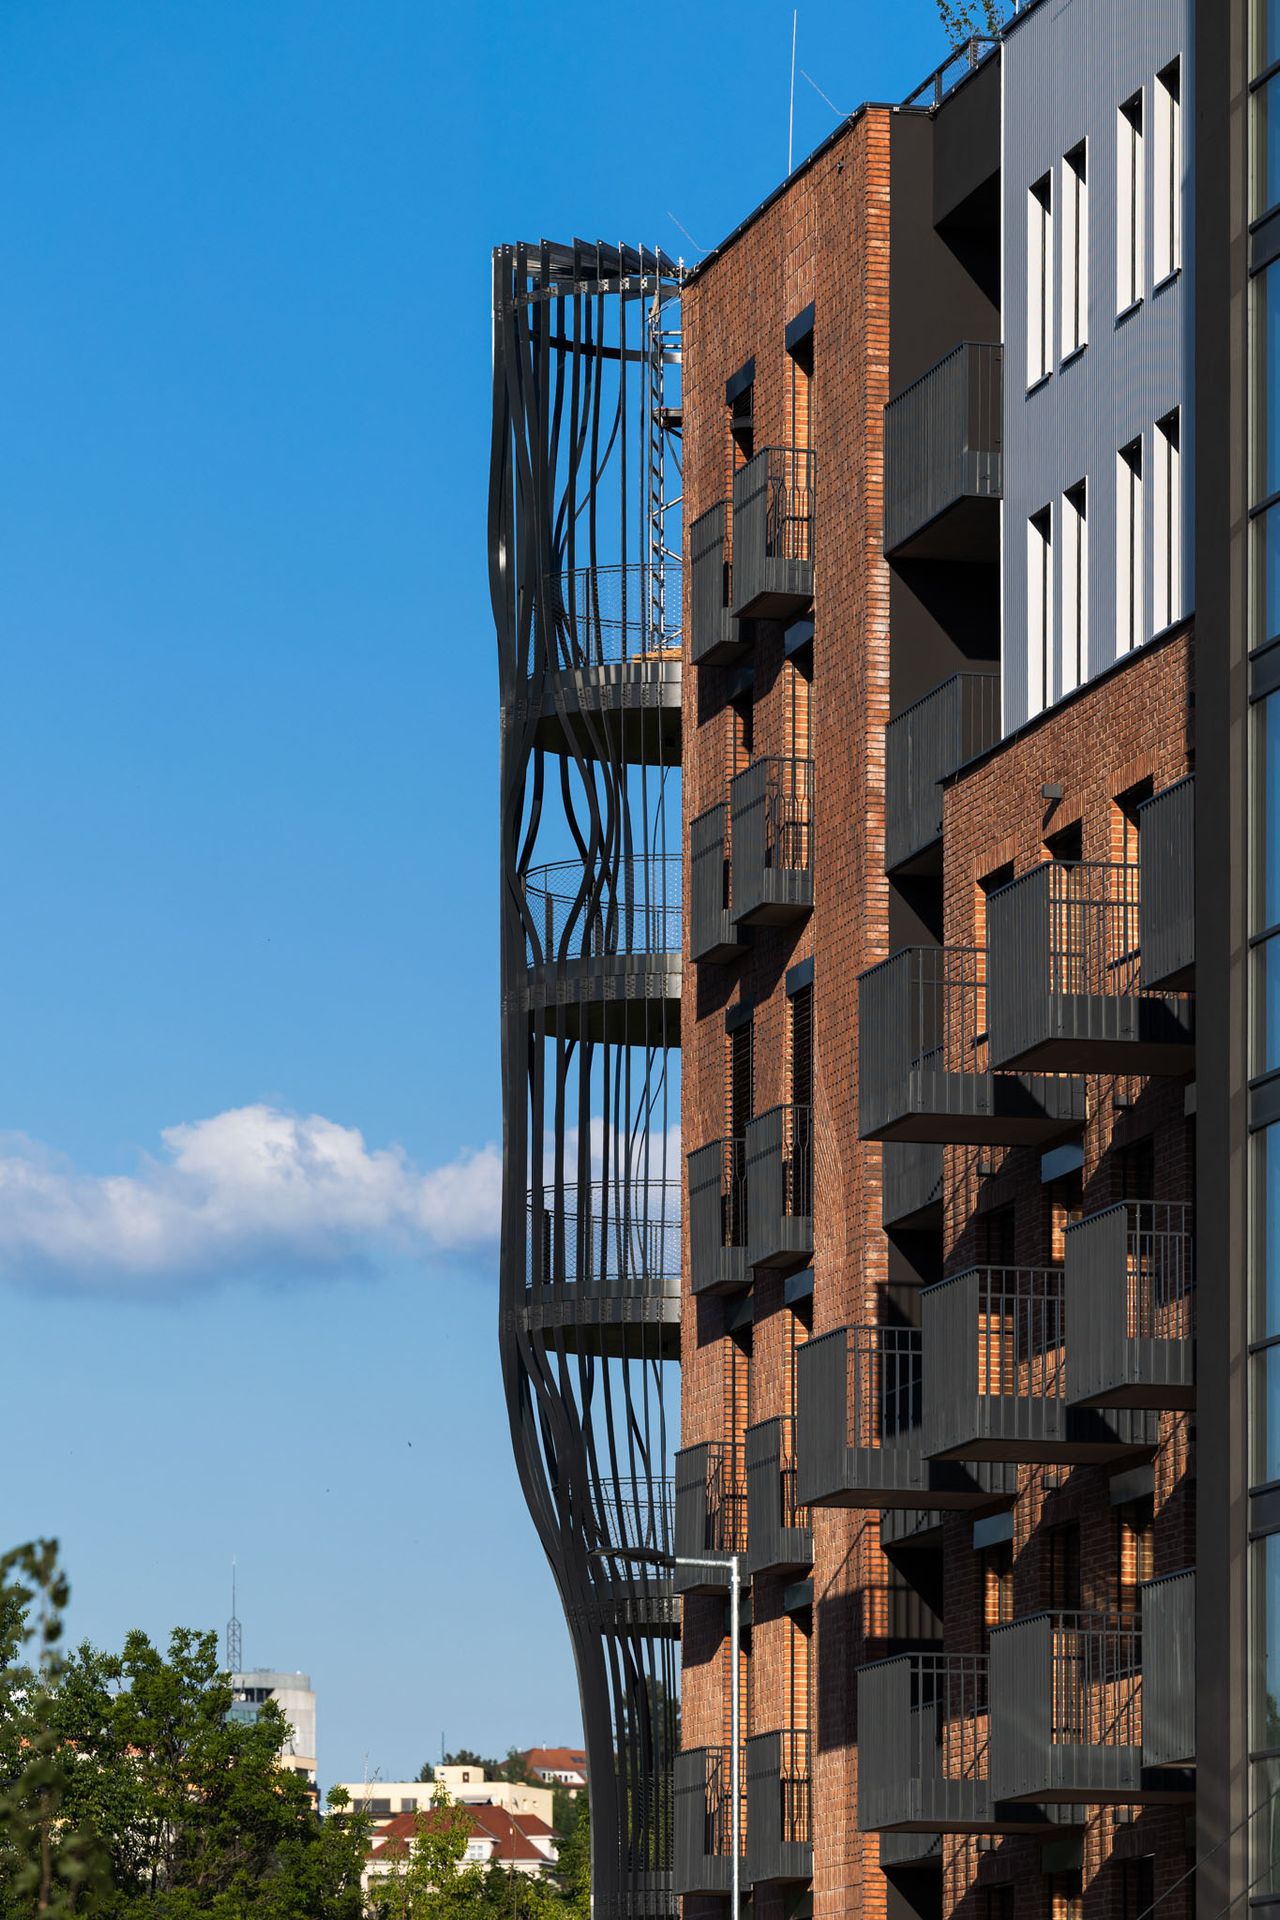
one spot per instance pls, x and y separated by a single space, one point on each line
1067 68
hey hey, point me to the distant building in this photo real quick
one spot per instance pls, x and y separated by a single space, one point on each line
467 1785
293 1694
521 1843
558 1766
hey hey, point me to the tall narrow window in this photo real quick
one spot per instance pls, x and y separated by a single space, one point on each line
1075 250
1040 609
1075 587
1129 546
1167 517
1040 279
800 360
1167 194
1129 203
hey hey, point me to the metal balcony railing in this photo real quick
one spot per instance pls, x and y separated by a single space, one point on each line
885 1374
704 1841
712 934
1066 1708
1168 1670
718 1216
1130 1290
779 1524
911 1183
995 1358
944 457
924 1059
1167 893
923 745
772 840
617 616
711 1510
635 1516
571 918
607 1236
779 1181
1065 975
779 1806
773 533
717 638
923 1754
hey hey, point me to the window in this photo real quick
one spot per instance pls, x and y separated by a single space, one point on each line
1040 279
741 428
997 1584
1167 163
1066 1896
741 1063
1129 203
1075 587
1064 1569
1265 1664
996 1903
1167 530
1040 609
800 362
1075 250
1137 1550
1266 409
1136 1169
1137 1887
1129 547
995 1233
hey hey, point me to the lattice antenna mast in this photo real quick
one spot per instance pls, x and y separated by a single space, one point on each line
662 433
235 1649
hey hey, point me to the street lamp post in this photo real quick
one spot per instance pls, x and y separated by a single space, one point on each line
670 1561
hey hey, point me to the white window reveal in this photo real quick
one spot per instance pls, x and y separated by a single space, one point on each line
1039 610
1167 168
1129 633
1167 518
1040 279
1130 198
1075 250
1075 587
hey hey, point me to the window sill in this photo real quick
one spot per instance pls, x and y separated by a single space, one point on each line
1169 279
1069 359
1127 313
1041 382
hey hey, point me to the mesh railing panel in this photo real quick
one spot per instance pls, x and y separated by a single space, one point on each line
607 616
636 912
605 1235
885 1376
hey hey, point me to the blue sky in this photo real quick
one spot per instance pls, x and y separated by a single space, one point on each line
248 1052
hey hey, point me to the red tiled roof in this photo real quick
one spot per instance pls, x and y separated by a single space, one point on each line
511 1843
556 1760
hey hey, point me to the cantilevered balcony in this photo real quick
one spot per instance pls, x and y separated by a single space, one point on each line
1130 1293
779 1807
717 638
603 951
779 1529
712 932
1167 885
603 1266
612 689
630 1530
944 459
922 1757
1169 1670
1065 987
779 1166
995 1375
1067 1712
858 1428
711 1513
703 1822
922 746
718 1254
911 1184
772 835
924 1071
773 522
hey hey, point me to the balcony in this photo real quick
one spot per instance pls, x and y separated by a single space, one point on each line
1168 1670
633 1517
716 639
1167 885
944 459
858 1428
773 497
779 1173
911 1185
779 1807
1066 1712
779 1529
711 1514
603 951
772 842
613 688
712 933
925 1770
1130 1289
924 1070
1065 977
922 746
718 1254
995 1375
603 1266
703 1821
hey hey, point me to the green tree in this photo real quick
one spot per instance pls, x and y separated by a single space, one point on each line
963 18
430 1880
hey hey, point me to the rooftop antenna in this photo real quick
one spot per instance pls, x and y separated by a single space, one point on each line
791 110
235 1650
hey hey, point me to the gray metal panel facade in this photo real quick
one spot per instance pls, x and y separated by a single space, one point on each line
1066 69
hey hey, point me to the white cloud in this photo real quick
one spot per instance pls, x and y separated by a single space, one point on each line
254 1190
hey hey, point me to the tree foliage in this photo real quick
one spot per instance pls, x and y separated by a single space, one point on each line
433 1880
961 19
